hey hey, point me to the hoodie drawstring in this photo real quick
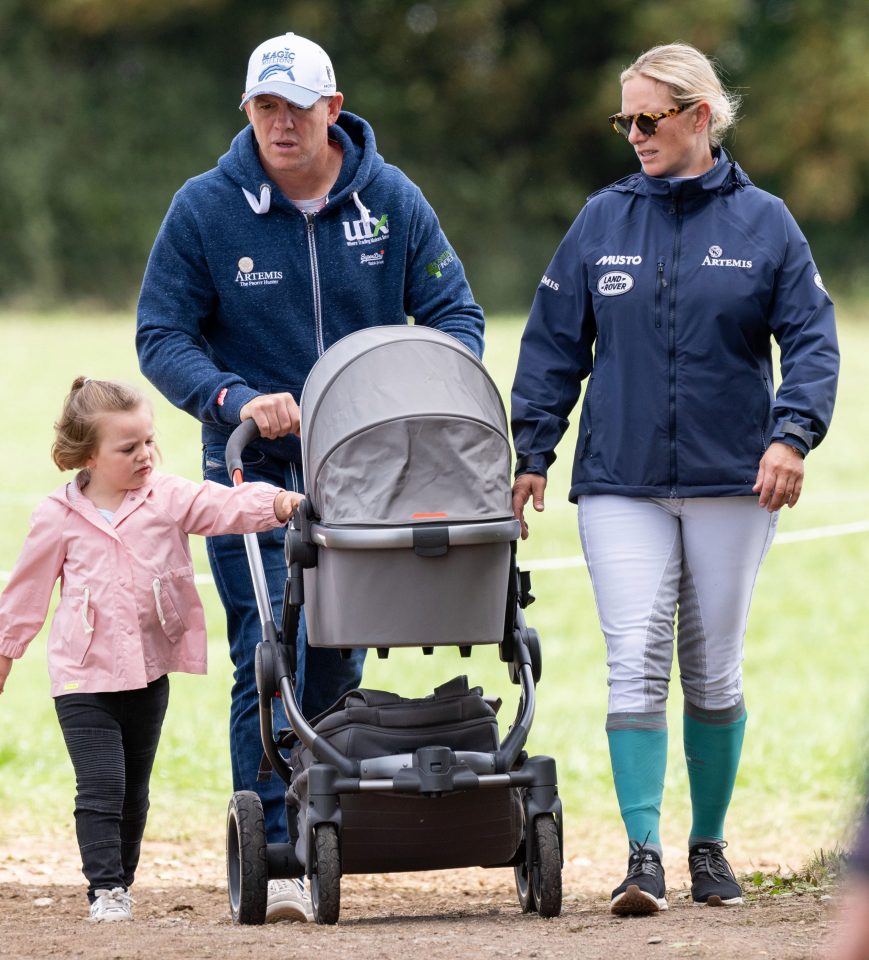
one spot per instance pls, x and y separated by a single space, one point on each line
263 205
86 602
364 212
265 199
156 586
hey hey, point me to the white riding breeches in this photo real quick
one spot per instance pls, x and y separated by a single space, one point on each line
651 558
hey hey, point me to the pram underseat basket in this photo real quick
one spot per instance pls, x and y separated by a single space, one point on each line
397 832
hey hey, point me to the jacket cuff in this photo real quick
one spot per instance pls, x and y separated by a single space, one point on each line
230 400
533 463
794 436
11 649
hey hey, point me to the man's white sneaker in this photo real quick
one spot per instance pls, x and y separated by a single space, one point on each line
111 905
288 900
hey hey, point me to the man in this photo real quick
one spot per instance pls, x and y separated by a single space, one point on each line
300 235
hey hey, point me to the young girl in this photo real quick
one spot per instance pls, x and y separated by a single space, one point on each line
128 612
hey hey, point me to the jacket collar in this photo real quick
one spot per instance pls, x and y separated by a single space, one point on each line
724 177
71 495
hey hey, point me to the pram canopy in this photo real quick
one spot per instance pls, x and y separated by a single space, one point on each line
403 425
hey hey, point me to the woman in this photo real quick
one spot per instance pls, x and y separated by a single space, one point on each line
665 293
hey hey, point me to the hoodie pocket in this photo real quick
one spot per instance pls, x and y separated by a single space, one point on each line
168 602
81 627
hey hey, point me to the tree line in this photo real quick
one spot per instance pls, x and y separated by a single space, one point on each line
496 108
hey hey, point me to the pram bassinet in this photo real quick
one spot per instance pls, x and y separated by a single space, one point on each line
409 488
406 538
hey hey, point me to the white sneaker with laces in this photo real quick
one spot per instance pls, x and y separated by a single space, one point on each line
288 900
111 905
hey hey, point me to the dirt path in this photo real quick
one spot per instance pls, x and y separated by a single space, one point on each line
181 912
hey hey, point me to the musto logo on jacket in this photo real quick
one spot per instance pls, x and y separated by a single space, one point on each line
616 282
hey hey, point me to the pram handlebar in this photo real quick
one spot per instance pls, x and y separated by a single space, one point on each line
387 538
244 433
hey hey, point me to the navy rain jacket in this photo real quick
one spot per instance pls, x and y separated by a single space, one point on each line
243 292
665 294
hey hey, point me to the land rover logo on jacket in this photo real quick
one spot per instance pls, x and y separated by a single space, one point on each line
615 283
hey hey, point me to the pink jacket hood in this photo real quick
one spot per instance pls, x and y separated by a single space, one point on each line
128 611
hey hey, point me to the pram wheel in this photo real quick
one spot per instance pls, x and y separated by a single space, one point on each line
538 884
246 859
326 876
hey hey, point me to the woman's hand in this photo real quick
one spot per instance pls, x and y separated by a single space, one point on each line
528 485
780 477
5 667
285 503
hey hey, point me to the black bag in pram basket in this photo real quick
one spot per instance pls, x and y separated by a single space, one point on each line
383 833
406 537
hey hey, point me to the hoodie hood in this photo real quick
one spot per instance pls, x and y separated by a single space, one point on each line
360 165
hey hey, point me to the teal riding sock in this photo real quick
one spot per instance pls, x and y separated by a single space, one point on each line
713 744
639 761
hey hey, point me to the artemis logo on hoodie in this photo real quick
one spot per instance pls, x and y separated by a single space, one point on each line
248 277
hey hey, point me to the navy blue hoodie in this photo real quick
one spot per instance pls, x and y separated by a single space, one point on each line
243 292
666 294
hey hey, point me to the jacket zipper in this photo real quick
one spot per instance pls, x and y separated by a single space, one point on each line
671 339
660 285
315 281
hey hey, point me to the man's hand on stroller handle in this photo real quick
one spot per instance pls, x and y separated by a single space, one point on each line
276 414
527 485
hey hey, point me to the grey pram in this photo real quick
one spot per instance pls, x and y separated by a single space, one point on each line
406 538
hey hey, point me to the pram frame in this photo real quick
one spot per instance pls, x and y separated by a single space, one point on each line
430 771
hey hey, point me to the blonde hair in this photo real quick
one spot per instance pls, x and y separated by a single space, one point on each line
76 433
691 77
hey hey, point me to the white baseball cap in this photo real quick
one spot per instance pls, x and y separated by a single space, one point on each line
290 67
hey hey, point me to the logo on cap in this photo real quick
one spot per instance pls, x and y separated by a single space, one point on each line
276 64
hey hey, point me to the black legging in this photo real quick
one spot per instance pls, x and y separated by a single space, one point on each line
112 740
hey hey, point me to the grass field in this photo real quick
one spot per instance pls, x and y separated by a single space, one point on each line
807 656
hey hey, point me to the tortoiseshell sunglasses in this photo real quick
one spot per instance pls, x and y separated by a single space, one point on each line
647 123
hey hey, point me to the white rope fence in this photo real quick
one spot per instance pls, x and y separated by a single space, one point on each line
565 563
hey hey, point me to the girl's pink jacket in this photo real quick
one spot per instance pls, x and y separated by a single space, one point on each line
128 611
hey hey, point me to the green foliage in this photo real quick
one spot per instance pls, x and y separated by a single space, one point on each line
820 874
495 107
805 670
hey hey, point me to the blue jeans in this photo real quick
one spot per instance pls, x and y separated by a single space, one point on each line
322 675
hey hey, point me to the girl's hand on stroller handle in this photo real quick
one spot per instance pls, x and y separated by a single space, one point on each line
5 667
527 485
276 414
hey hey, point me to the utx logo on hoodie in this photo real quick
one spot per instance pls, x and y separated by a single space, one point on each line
361 231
